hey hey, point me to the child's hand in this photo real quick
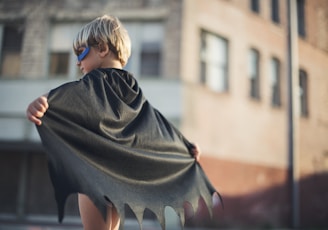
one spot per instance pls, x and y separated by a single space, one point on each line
37 109
196 152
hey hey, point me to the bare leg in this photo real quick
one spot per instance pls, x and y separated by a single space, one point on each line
92 218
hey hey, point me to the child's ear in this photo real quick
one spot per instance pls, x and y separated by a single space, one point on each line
104 49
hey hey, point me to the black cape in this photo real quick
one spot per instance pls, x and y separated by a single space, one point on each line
105 140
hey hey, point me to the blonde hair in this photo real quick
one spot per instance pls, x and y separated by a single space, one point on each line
105 30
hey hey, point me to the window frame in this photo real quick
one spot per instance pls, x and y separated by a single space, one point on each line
275 74
303 93
63 47
18 25
275 11
301 23
254 6
143 44
208 65
254 73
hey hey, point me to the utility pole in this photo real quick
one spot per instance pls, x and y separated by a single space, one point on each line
293 111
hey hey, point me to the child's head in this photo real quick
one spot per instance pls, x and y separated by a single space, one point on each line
105 30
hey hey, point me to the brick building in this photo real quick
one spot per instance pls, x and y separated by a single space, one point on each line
227 62
235 71
36 55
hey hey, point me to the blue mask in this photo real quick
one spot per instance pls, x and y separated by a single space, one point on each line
83 54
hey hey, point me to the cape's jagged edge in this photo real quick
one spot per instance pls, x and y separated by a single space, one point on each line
160 214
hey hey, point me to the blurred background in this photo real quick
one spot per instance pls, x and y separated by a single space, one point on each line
245 79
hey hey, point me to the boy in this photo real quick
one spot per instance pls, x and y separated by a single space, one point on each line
105 105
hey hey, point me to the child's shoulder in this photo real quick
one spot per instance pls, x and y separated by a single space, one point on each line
109 74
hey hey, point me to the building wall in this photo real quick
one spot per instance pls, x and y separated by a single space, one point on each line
245 141
314 129
317 24
234 109
26 192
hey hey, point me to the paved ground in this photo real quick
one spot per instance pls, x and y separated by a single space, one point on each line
75 223
129 225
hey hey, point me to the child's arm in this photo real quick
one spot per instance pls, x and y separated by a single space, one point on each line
37 109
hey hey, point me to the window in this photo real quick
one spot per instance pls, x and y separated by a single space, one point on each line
275 82
62 60
255 5
275 11
301 17
214 62
146 56
58 63
12 39
303 81
253 73
151 47
150 59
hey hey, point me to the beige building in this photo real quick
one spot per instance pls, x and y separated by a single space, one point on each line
218 68
234 67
